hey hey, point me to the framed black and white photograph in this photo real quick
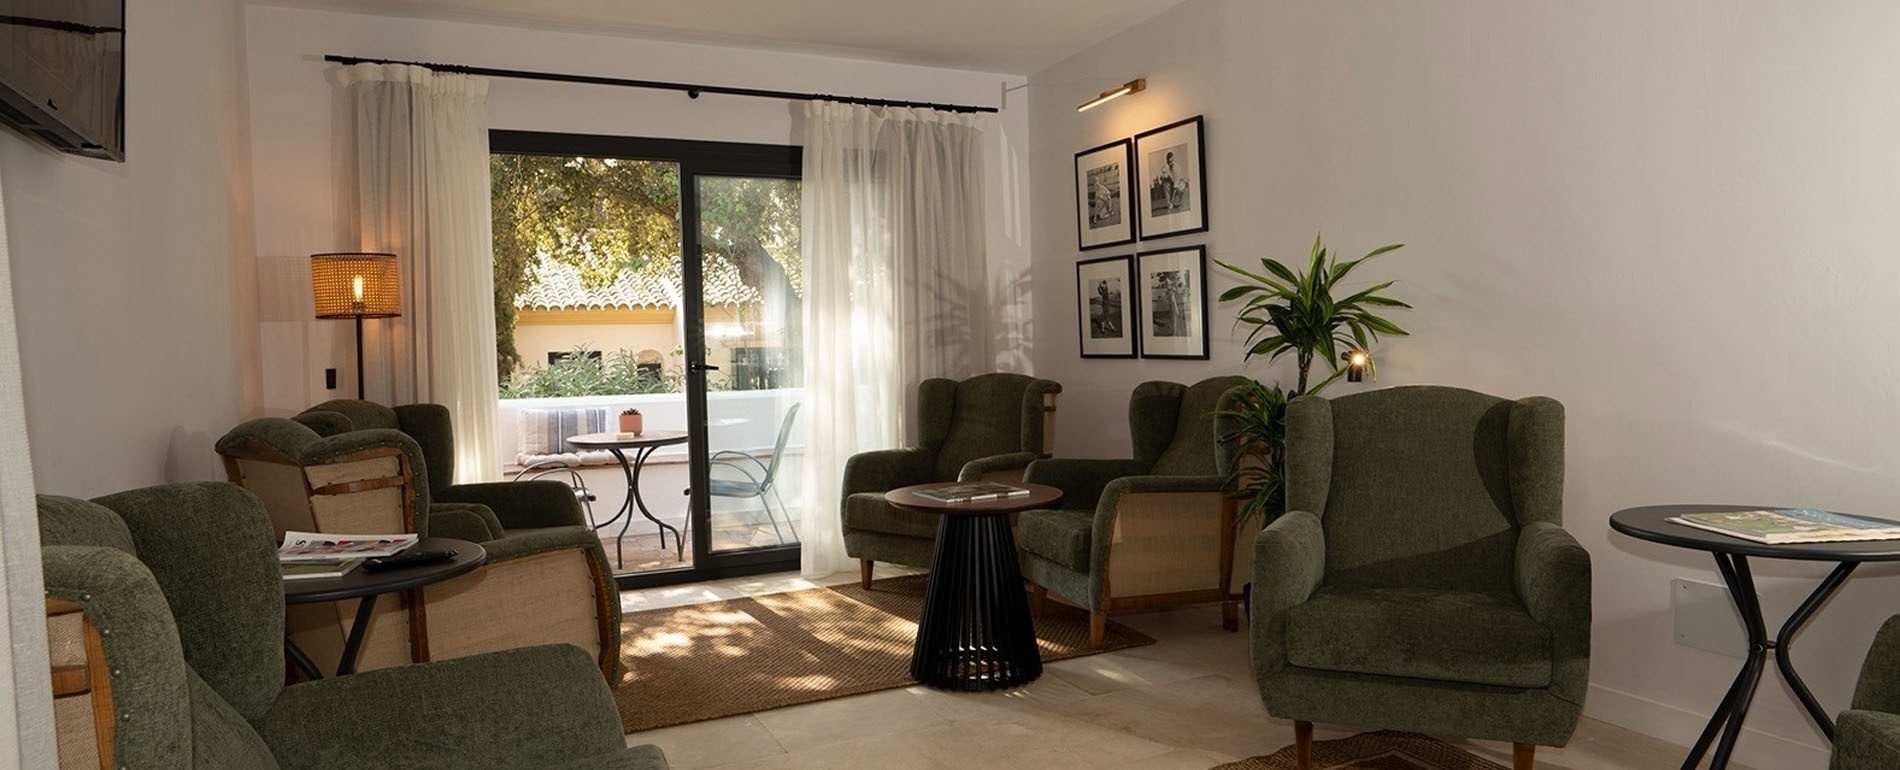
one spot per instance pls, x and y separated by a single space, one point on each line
1171 180
1105 310
1172 286
1102 217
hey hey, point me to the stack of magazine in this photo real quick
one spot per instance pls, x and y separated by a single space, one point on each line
310 555
970 492
1792 525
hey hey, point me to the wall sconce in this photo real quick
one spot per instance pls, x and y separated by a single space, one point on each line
1131 87
1357 362
356 285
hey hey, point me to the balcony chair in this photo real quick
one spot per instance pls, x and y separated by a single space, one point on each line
545 580
990 426
166 616
760 476
1867 736
1142 533
1421 578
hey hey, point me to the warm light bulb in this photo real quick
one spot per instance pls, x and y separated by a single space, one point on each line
1358 358
357 286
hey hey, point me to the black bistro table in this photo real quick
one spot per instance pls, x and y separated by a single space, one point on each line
642 446
975 633
1731 559
365 584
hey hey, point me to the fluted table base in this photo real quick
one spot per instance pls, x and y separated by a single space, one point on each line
976 633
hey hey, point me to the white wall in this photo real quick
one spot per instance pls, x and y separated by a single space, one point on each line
1676 218
292 140
134 282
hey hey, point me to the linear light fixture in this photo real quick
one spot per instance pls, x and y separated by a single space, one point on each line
1131 87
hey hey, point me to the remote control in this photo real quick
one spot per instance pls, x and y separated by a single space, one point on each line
408 559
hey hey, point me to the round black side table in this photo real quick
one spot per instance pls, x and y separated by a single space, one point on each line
976 633
367 585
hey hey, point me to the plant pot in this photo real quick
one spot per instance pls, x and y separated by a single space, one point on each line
632 423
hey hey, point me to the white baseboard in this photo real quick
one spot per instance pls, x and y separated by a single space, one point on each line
1757 749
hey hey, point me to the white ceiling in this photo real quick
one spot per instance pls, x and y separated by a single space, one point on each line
1005 36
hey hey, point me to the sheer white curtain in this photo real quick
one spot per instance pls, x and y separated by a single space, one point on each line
420 190
893 245
26 711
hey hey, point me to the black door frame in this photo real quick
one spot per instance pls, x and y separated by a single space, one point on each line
695 159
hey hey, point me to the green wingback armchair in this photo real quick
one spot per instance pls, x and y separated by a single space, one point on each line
181 585
1867 736
1147 532
986 427
1421 578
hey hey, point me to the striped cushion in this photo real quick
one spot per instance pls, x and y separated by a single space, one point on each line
545 431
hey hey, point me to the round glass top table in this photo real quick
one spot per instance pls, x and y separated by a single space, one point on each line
1652 523
642 445
975 633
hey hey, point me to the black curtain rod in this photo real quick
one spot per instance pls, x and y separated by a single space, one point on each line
691 90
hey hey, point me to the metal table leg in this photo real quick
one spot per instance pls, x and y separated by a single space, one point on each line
354 642
1728 716
634 499
304 664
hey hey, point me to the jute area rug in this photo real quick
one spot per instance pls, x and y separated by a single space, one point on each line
1383 750
719 659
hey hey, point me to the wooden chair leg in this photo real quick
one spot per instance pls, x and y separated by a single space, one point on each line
1098 629
864 573
1303 745
1038 597
1523 756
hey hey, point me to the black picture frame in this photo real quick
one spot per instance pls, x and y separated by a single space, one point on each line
1171 198
1172 286
1102 186
1106 321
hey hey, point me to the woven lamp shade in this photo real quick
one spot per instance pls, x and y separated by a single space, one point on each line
356 285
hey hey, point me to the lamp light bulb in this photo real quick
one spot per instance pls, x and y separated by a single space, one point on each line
357 286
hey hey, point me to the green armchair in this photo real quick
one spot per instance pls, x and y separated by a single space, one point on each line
1421 578
180 586
1867 736
990 426
546 578
1142 533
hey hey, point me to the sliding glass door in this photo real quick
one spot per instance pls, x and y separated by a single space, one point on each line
662 276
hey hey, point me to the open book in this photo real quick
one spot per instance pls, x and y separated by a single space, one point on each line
313 546
970 492
1792 525
320 568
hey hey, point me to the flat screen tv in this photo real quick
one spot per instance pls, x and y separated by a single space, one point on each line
62 73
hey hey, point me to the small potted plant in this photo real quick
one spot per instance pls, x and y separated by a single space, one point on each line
631 421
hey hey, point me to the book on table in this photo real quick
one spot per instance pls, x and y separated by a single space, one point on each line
1792 525
314 546
970 492
319 568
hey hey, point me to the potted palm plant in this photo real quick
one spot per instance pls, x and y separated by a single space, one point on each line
1294 312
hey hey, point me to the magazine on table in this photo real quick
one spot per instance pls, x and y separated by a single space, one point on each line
319 568
970 492
1792 525
313 546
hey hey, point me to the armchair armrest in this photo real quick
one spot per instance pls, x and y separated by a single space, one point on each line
1288 564
1553 580
1878 688
1116 489
1081 481
976 469
521 504
885 469
553 708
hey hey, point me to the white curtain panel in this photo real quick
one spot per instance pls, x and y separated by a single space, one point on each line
893 246
26 711
420 181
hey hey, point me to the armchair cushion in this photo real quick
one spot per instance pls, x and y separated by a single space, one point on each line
1061 536
867 511
1451 636
1866 740
520 504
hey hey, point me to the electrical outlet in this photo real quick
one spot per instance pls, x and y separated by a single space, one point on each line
329 378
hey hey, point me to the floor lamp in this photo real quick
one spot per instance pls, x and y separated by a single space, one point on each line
356 285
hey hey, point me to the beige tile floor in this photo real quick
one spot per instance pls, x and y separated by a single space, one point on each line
1188 702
